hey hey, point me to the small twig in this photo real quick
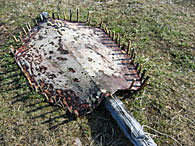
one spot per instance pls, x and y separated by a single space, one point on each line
189 120
95 139
103 118
164 134
152 135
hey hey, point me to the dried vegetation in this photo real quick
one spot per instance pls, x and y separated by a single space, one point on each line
163 33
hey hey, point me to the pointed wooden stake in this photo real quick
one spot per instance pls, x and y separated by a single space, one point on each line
53 15
104 28
118 37
88 17
144 82
134 56
113 36
36 88
64 15
22 41
36 23
12 49
110 33
19 64
133 82
15 38
137 65
76 113
142 75
29 26
101 23
119 41
24 30
140 68
70 109
123 47
70 15
89 20
77 15
41 17
133 59
129 47
107 31
132 53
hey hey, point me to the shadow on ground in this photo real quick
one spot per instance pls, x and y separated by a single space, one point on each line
99 127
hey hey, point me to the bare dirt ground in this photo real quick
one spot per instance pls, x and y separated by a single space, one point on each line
163 33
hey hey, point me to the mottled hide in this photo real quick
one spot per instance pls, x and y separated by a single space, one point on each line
75 65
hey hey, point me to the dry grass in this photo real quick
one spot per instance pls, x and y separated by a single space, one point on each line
163 34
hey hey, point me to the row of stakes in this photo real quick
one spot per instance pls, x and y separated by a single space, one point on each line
115 37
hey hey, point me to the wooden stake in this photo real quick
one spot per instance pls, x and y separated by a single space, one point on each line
89 20
101 23
76 113
129 47
123 47
77 15
21 38
29 26
144 82
53 15
113 36
104 28
132 53
133 59
88 16
143 74
110 33
140 68
41 17
119 41
107 32
36 21
20 66
118 37
12 49
64 15
15 38
133 82
70 15
137 65
24 30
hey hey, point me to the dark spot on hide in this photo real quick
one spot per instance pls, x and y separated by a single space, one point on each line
76 80
71 70
51 52
57 37
60 72
61 58
111 68
41 46
90 59
43 69
40 37
51 76
51 43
